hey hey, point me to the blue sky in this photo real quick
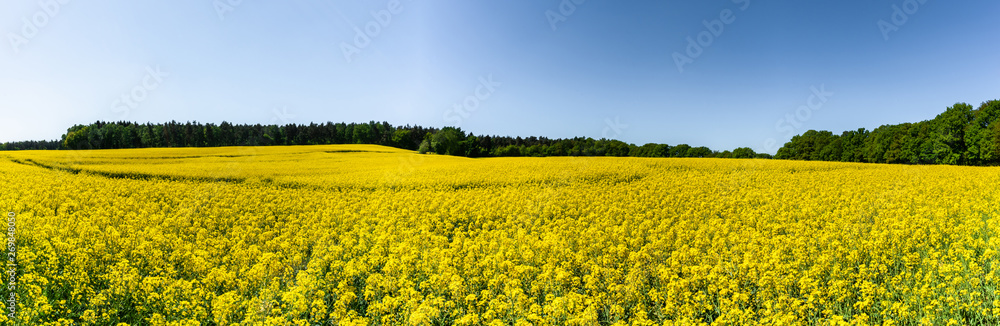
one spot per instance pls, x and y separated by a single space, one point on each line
606 69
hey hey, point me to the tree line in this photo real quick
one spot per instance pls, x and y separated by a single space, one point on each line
448 140
454 141
961 135
30 145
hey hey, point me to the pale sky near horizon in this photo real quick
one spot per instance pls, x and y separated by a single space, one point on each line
722 74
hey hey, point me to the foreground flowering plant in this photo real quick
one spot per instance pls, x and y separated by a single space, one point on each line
370 235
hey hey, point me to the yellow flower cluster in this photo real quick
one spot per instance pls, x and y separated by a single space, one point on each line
370 235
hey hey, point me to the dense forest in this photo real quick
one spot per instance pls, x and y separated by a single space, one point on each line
448 140
959 136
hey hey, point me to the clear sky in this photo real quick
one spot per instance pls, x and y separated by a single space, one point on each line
596 68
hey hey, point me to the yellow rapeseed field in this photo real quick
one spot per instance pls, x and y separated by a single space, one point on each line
370 235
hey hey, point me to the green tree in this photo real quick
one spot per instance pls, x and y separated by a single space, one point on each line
448 141
680 150
949 134
978 134
743 152
77 137
700 151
